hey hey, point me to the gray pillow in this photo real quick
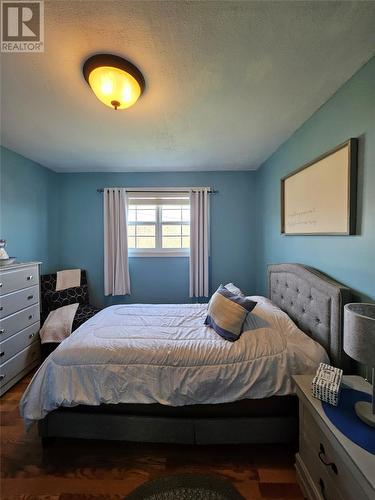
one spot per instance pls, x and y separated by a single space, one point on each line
234 289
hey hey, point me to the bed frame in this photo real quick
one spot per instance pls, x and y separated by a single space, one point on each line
313 301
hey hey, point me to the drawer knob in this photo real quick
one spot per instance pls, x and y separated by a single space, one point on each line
29 278
30 297
2 331
2 377
31 335
31 316
322 458
2 353
1 285
1 308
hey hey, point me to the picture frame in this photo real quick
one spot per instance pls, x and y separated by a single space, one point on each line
320 198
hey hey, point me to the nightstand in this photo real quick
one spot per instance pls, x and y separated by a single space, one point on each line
329 466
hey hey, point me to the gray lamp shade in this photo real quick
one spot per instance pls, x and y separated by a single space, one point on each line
359 332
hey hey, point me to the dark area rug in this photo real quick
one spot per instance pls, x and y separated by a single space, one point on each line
186 487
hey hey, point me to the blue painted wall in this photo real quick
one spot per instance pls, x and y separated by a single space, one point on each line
349 259
28 208
158 279
57 218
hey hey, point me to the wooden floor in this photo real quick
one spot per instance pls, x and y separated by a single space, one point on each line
78 469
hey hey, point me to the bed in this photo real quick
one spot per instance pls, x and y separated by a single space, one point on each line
170 379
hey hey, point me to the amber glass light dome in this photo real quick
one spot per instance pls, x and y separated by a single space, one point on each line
115 81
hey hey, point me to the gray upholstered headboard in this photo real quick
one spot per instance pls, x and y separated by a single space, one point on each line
315 303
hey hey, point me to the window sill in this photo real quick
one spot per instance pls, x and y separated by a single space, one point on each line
158 254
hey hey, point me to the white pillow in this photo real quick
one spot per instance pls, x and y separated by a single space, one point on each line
234 289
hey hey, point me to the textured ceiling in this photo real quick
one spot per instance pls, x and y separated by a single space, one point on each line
227 82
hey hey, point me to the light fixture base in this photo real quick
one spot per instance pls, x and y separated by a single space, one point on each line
363 410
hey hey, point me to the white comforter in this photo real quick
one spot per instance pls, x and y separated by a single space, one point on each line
165 354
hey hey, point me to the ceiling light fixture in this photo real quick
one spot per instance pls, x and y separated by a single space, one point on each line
114 80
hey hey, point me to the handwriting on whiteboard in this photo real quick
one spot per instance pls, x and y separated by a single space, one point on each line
303 217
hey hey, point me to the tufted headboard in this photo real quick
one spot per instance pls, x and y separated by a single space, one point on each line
315 303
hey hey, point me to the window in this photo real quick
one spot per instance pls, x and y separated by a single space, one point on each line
159 224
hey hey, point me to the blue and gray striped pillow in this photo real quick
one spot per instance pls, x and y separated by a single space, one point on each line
227 313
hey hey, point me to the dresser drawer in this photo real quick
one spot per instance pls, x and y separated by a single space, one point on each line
18 321
16 301
315 444
17 279
20 361
18 342
324 484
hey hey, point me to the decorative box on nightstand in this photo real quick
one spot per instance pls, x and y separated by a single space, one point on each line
330 466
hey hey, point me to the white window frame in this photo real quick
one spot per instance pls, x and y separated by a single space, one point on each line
158 251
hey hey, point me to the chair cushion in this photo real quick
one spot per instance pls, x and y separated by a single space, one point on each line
55 299
84 312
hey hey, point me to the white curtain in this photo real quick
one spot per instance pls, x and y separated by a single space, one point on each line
199 242
116 265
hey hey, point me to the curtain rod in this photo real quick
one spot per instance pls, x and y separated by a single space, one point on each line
153 190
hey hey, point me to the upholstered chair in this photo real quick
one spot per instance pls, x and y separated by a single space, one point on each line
52 299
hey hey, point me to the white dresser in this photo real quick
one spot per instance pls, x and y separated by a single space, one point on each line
329 465
19 322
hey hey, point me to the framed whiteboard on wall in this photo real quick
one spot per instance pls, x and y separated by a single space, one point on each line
320 197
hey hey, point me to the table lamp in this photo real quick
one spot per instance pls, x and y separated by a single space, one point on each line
359 344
